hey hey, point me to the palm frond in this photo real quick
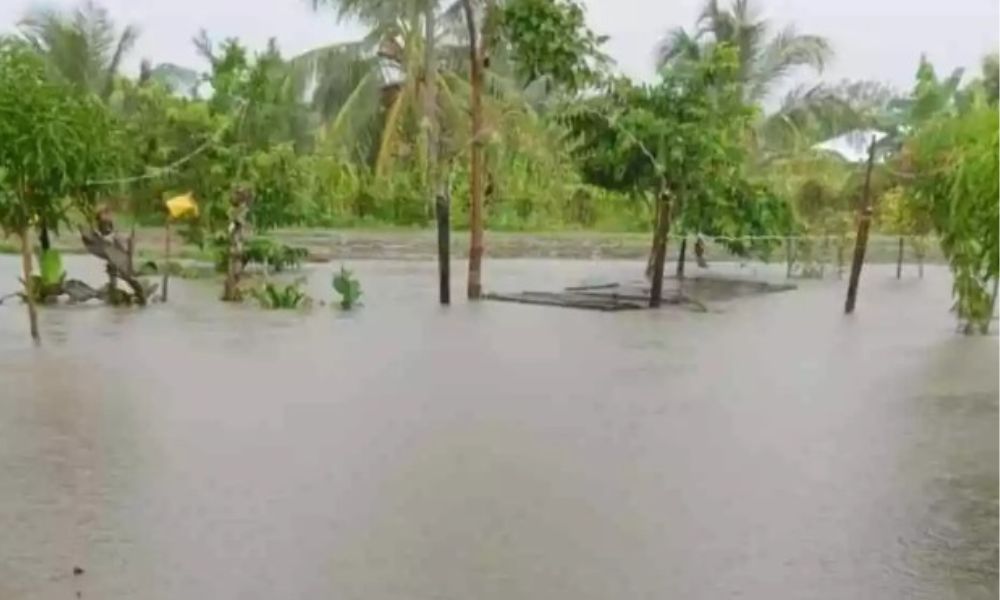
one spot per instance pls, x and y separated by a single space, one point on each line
82 47
782 55
677 44
126 41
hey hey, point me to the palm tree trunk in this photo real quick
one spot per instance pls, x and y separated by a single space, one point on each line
861 241
430 99
475 285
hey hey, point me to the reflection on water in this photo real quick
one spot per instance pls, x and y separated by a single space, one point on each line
773 449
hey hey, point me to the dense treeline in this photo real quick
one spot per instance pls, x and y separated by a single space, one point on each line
508 107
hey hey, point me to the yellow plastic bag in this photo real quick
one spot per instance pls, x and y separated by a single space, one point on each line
181 206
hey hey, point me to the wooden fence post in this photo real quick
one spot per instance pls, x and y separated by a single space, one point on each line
861 241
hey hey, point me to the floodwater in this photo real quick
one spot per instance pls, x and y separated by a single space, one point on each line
772 449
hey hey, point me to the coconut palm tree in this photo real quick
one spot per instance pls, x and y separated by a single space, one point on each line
766 57
373 86
368 90
84 47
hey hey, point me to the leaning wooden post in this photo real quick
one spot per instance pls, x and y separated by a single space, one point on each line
29 285
899 259
660 251
861 241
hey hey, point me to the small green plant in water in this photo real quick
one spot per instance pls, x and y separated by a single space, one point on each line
273 296
348 287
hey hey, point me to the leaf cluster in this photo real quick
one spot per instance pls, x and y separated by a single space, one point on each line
54 140
550 39
686 135
956 167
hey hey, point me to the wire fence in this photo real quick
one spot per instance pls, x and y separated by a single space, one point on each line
816 256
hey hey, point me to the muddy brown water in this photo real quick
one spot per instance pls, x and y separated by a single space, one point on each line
771 449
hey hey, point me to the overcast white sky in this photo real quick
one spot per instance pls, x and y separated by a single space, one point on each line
874 39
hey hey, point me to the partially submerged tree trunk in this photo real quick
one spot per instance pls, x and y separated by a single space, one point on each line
102 242
657 206
115 254
475 285
237 239
660 247
29 284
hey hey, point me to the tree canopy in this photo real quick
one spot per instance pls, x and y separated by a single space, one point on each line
337 136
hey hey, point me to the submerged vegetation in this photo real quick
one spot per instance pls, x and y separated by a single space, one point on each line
514 110
349 288
273 296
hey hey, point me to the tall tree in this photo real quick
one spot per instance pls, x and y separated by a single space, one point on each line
375 86
766 58
83 47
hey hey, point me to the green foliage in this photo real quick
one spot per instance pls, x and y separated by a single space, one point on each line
261 251
52 142
901 214
349 288
685 134
241 136
83 49
550 38
351 154
273 296
956 162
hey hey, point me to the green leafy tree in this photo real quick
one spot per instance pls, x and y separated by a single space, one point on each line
685 136
550 40
83 48
955 162
53 142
